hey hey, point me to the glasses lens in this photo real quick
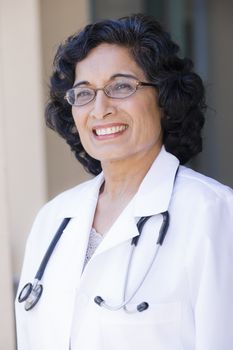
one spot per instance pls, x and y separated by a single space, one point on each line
121 88
80 96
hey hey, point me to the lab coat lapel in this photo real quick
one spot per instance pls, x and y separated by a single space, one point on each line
153 197
66 264
123 229
155 193
75 238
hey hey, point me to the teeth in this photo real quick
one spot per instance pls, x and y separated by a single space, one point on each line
112 130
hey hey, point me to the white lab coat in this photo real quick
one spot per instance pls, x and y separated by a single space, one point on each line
189 288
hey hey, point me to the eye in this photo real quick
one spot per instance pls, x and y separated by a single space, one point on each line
83 93
123 86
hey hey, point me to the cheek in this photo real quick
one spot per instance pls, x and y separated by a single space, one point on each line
148 117
78 120
77 124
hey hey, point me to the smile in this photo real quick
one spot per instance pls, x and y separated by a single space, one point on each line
110 130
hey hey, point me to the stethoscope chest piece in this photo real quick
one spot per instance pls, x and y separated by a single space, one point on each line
30 294
25 292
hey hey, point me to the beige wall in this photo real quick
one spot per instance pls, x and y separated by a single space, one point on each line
6 295
23 113
22 178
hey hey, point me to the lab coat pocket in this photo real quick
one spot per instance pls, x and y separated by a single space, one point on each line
158 327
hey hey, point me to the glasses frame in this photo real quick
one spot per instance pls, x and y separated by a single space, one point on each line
137 86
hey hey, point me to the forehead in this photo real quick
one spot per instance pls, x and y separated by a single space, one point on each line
105 61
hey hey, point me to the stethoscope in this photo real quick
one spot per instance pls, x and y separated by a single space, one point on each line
31 292
143 305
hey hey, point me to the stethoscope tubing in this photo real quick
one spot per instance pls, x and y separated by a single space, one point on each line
31 292
162 233
161 236
51 248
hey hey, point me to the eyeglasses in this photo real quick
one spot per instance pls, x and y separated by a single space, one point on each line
117 89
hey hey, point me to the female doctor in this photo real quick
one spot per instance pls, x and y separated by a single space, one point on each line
144 256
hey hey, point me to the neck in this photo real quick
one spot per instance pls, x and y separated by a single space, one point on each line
123 177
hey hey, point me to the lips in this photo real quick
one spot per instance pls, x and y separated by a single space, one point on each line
110 130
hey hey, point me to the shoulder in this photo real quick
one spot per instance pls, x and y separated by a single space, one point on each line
72 192
65 205
203 205
202 201
66 201
198 186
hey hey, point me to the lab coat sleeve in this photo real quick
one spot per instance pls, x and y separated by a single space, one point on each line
213 307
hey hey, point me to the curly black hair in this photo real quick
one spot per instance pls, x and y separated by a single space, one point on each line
181 92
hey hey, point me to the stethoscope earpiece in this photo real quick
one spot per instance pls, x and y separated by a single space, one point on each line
98 300
143 306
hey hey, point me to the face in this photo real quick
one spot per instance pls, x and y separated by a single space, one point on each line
116 129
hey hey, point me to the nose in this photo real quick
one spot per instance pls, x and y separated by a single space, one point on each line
102 106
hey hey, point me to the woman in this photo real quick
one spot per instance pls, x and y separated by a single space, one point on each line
132 112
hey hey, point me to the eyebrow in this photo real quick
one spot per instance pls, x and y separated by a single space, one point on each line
117 75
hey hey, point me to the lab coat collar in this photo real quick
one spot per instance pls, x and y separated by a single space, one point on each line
153 197
155 192
76 201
